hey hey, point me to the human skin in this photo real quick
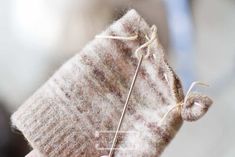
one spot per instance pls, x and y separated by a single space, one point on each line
33 153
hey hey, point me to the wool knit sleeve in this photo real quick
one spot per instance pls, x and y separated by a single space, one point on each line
75 113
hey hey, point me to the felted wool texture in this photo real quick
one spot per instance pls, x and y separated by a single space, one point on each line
66 116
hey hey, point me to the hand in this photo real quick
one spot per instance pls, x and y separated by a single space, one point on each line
33 153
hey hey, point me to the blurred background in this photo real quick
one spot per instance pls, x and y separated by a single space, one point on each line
37 36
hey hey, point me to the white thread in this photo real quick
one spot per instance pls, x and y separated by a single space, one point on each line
147 44
125 106
166 78
184 102
198 104
140 57
191 87
134 37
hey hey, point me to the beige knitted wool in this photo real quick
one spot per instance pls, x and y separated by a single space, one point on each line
76 112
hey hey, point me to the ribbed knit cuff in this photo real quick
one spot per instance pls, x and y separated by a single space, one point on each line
45 124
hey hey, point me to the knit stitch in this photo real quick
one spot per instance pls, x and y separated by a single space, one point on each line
75 113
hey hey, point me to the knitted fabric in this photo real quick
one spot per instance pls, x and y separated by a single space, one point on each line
76 112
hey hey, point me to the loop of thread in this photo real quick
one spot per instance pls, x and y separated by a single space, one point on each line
140 57
134 37
148 43
180 105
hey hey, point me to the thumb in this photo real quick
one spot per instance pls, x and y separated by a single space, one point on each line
33 153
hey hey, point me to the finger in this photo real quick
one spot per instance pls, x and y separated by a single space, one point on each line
33 153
